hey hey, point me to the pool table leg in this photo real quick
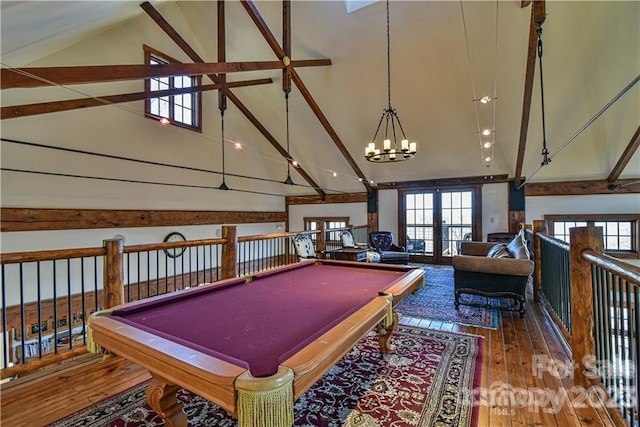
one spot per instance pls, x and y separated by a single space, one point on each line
384 334
162 398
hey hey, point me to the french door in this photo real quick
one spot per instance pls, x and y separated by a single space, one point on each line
434 222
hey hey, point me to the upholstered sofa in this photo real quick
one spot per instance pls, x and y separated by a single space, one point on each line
493 270
390 253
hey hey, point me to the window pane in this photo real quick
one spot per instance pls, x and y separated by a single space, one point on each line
466 199
419 201
625 228
411 201
164 107
411 217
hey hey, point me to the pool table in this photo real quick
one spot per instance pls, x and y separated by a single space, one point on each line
255 344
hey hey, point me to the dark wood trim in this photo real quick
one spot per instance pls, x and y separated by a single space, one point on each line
193 55
570 188
16 111
330 198
68 75
525 3
592 217
625 158
254 14
430 183
35 219
532 49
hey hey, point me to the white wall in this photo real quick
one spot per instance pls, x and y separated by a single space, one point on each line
495 208
388 211
538 206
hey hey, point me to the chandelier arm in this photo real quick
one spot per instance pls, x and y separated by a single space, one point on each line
401 128
378 128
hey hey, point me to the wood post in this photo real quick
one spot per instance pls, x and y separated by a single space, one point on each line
229 252
582 323
538 227
321 244
113 273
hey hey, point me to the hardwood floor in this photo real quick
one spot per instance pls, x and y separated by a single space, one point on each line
512 356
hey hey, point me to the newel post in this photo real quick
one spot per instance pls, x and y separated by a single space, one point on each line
582 340
229 252
321 244
538 227
113 273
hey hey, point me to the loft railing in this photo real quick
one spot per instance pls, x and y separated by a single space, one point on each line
597 313
47 296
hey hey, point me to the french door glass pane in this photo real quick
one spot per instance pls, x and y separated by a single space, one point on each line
456 220
419 223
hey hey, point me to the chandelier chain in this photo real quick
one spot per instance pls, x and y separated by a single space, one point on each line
388 57
545 152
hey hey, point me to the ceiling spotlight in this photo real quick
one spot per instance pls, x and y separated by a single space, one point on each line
485 99
487 159
294 163
371 182
486 132
360 179
487 144
164 121
237 145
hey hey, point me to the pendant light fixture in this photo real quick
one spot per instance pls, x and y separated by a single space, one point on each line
390 151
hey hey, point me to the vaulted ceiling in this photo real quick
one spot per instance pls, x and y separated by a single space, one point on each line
443 54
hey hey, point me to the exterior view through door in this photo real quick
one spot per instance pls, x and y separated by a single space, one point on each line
434 222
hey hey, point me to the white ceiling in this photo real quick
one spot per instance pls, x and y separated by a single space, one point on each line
591 52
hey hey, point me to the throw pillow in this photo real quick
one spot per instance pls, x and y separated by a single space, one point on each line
347 240
518 248
494 250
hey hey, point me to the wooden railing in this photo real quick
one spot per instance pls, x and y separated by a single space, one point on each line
47 296
597 313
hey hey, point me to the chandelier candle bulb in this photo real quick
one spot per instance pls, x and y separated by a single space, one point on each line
387 144
392 154
413 147
405 145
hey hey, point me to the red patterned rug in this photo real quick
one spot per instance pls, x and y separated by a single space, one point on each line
427 382
435 301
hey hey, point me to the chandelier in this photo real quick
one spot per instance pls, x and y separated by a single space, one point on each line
391 151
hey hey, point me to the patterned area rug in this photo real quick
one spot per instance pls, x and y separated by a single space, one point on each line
435 301
427 382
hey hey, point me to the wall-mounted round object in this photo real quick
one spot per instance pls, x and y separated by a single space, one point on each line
174 237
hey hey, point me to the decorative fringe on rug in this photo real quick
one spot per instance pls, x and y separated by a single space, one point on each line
265 401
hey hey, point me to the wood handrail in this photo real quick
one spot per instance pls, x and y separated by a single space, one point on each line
171 245
628 272
553 241
35 256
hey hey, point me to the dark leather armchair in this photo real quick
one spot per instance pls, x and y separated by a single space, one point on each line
390 253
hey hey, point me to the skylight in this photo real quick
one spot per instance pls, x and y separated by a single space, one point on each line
353 5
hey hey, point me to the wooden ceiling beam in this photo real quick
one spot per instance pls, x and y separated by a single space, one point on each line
253 12
576 188
47 76
625 158
16 111
444 182
286 44
193 55
526 99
